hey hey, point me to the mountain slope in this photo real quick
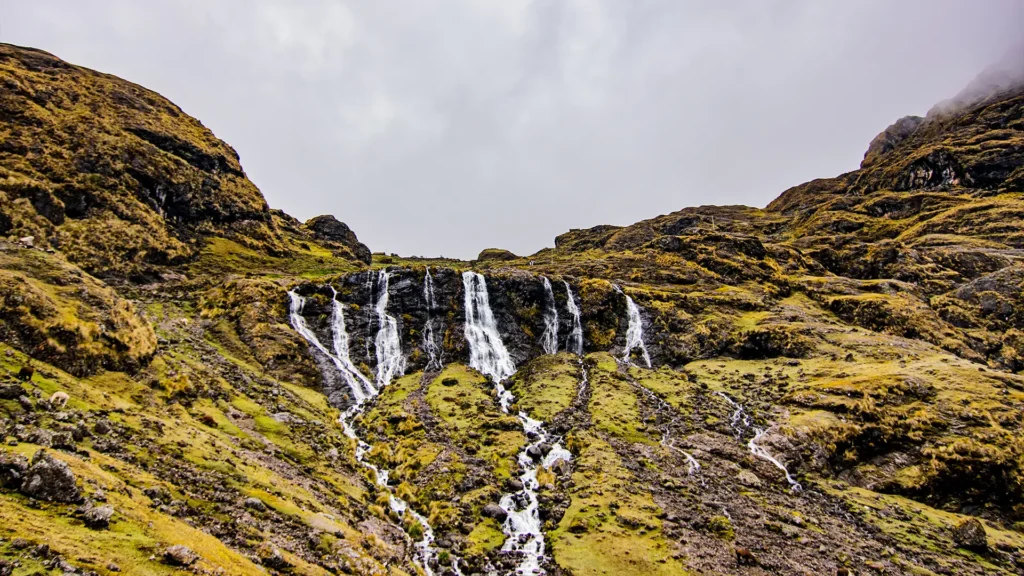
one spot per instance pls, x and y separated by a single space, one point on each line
830 383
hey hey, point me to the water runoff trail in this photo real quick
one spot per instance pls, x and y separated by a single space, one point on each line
390 363
488 355
634 340
740 423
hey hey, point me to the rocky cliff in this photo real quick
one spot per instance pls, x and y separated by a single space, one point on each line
191 380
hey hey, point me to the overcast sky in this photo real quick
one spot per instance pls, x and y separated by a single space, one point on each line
445 127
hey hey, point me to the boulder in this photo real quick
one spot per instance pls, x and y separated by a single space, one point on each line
496 255
98 516
179 555
50 479
495 511
970 534
13 468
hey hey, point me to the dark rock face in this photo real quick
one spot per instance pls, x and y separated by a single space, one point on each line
517 299
328 229
50 479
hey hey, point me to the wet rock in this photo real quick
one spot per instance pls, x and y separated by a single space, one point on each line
50 479
495 511
535 453
970 534
98 516
179 555
514 484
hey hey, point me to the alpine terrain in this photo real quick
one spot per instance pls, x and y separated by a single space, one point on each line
193 381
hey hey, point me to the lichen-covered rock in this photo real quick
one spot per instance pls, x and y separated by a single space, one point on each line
98 517
50 479
970 534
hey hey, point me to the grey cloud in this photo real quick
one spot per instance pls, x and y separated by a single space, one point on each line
446 127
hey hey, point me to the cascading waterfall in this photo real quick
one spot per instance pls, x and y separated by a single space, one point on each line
549 339
390 360
363 390
574 342
430 345
361 387
634 331
740 423
488 355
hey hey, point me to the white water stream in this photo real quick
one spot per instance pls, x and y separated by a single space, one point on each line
741 422
489 356
574 342
363 391
433 350
634 331
388 345
549 339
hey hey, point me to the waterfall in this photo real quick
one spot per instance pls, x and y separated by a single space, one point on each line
426 551
549 339
359 386
574 342
742 422
429 337
488 355
635 331
390 361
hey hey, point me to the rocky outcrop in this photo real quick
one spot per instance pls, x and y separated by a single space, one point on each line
50 479
890 138
495 255
328 229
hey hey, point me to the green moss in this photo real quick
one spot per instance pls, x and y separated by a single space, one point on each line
614 530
